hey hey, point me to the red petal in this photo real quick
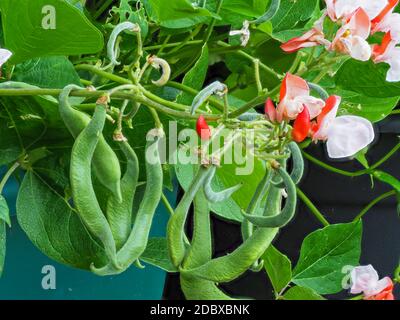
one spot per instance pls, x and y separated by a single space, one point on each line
302 126
270 110
385 11
202 128
380 49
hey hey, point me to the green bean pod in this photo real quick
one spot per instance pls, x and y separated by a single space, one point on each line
105 162
200 252
83 193
119 214
139 236
287 213
176 224
221 196
298 165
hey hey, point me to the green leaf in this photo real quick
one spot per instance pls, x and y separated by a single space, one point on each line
291 13
195 77
371 108
301 293
175 14
157 254
366 78
47 72
387 178
3 237
4 211
25 37
53 227
10 148
278 267
323 255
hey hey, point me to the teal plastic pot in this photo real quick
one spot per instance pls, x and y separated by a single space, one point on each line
22 276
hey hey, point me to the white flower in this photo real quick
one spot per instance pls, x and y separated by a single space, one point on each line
365 279
4 56
244 33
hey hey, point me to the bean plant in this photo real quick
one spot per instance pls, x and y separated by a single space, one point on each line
94 95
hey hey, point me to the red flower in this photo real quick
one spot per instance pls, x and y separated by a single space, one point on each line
386 294
202 128
302 126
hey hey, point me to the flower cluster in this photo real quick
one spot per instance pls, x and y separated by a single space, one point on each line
316 118
358 20
365 280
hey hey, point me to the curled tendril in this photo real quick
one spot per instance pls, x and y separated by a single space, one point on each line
111 51
213 196
216 87
158 63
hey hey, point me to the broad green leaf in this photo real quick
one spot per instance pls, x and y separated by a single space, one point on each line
10 148
4 211
366 78
157 254
3 236
291 13
371 108
175 14
387 178
4 218
195 77
47 72
40 28
301 293
53 227
323 255
278 267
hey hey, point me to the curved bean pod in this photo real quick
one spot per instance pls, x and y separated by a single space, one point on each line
139 236
200 252
105 162
298 166
119 215
176 225
287 213
221 196
83 193
214 88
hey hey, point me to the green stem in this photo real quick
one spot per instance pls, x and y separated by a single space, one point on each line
172 45
257 76
7 176
251 58
103 8
213 22
102 73
374 202
312 208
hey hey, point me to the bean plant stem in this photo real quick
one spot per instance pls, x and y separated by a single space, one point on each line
7 176
373 203
314 210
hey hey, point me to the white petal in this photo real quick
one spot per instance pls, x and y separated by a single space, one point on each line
347 135
373 7
363 278
4 56
344 8
358 48
313 105
378 288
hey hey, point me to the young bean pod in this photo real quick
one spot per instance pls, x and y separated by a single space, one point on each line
81 182
200 252
105 162
139 236
176 225
298 165
119 215
221 196
287 213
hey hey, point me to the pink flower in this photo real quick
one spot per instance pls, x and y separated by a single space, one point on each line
352 37
294 97
345 135
365 279
343 9
312 38
387 52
